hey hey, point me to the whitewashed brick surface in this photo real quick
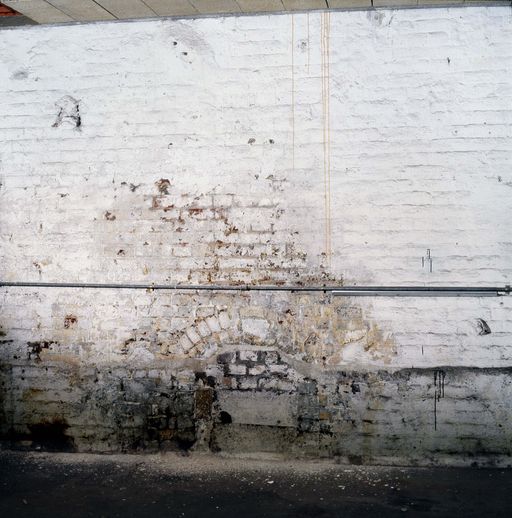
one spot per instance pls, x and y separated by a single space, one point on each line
204 156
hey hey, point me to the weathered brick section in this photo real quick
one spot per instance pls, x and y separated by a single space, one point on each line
351 148
118 326
254 400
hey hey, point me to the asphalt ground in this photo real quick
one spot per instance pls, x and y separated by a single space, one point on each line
81 485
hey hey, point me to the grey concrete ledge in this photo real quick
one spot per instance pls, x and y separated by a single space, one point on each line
65 20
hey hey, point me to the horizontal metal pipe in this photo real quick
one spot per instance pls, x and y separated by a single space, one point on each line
417 293
344 291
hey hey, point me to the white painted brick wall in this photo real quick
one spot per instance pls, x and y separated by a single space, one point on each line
416 155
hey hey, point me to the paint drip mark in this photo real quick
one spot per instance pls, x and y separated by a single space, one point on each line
325 29
293 94
439 377
309 45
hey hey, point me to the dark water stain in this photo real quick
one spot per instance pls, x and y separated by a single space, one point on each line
439 377
483 327
133 187
46 435
51 435
35 348
225 417
20 74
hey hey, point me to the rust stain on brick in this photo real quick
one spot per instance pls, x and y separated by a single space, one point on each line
163 185
203 403
31 393
230 230
69 321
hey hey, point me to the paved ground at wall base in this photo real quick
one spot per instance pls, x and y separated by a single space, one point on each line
37 484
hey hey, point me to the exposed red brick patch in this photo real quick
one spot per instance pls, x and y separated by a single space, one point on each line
7 11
